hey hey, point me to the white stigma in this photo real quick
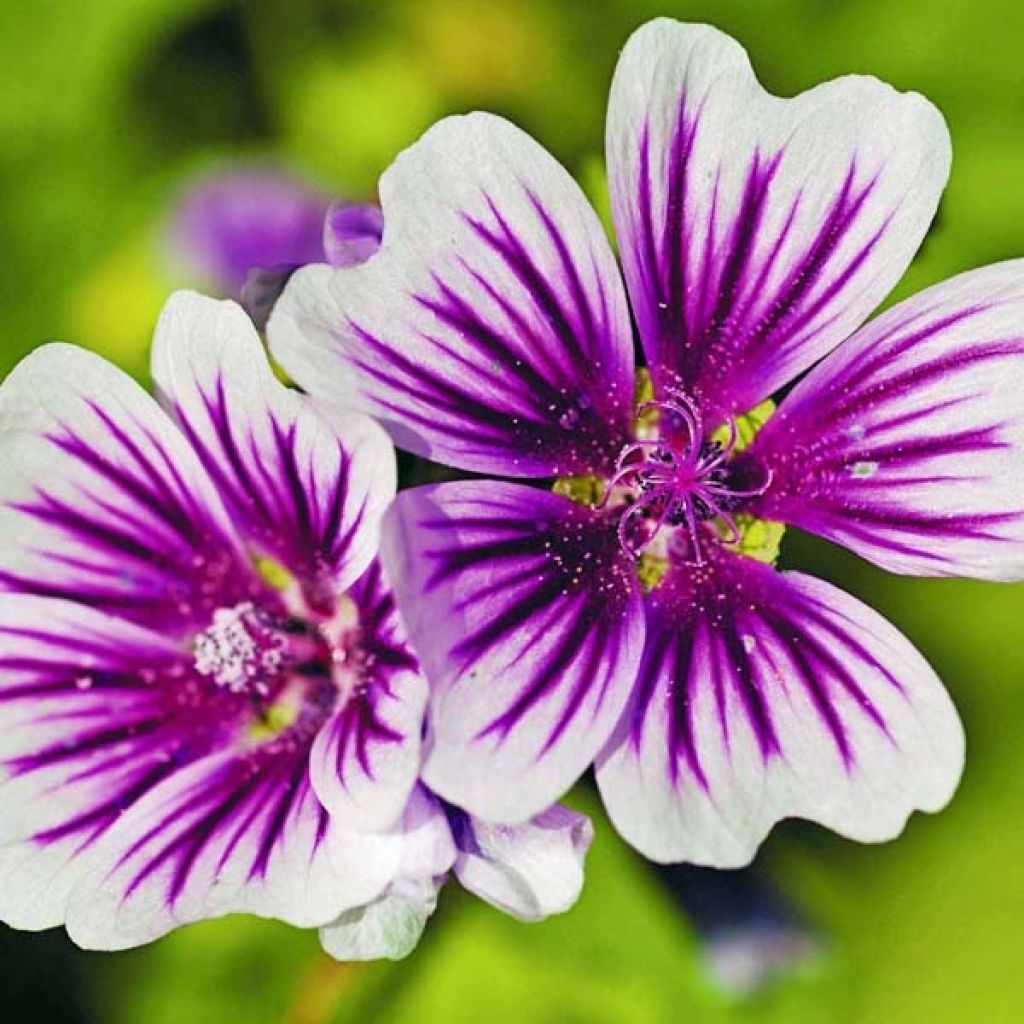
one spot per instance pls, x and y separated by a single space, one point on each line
230 653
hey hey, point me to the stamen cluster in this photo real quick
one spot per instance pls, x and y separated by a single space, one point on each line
679 478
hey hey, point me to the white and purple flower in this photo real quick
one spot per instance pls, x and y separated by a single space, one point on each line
206 700
630 615
207 703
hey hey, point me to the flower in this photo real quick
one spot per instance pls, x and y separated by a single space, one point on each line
631 615
230 222
242 232
530 870
207 703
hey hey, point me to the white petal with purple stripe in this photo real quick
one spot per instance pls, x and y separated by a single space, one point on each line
756 233
907 444
102 500
236 831
305 485
90 718
528 620
490 332
764 696
366 758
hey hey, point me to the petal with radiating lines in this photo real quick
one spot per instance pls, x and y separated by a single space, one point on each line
366 758
103 501
763 696
94 712
907 444
491 331
756 232
305 485
238 831
528 621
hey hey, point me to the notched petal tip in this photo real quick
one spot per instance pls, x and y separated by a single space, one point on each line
764 696
757 232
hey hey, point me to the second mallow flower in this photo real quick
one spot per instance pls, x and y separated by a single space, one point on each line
206 700
627 610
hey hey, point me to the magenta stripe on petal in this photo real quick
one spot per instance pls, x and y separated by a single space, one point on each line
273 492
305 486
907 444
514 384
366 759
763 696
110 507
526 613
247 801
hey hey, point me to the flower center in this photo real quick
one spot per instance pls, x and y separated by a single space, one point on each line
290 667
241 650
678 478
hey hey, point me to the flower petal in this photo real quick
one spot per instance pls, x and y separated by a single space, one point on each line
93 714
764 696
352 233
306 486
103 501
366 758
391 925
388 928
755 232
239 831
531 870
907 444
491 330
528 621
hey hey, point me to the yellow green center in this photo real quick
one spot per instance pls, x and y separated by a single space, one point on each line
759 539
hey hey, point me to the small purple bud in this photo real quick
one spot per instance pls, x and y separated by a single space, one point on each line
749 934
352 233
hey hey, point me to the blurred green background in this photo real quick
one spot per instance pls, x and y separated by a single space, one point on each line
110 107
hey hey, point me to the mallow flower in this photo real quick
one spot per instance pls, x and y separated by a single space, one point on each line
207 703
630 613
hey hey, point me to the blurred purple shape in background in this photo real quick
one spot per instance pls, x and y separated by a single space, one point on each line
235 220
242 232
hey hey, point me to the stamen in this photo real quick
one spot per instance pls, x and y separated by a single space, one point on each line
238 650
679 479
